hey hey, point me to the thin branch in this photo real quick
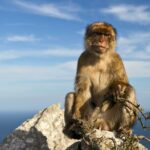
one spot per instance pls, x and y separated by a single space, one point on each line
123 100
141 137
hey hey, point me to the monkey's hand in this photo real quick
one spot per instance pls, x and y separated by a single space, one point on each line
124 131
118 92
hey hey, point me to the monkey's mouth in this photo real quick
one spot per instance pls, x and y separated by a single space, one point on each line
98 45
98 48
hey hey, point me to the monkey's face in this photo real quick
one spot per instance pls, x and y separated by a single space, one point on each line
98 42
99 38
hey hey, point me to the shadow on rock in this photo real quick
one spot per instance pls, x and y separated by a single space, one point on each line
22 140
75 146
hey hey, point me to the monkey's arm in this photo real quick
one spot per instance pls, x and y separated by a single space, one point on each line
82 87
120 79
122 115
118 69
122 92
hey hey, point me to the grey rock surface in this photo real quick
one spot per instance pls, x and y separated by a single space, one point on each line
44 132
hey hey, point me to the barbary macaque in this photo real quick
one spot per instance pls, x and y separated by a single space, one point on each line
103 97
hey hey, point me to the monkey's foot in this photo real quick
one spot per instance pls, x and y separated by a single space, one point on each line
77 129
124 132
83 126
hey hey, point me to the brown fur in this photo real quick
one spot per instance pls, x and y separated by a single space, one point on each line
100 79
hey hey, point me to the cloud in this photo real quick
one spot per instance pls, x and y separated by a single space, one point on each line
62 52
51 52
131 47
64 71
8 55
137 68
22 38
68 12
130 13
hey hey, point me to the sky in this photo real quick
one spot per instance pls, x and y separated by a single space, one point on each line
41 40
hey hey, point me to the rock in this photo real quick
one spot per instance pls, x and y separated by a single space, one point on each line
44 132
106 140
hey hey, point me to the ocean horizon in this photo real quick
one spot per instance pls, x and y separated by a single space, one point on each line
11 120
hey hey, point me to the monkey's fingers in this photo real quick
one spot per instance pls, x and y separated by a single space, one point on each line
116 94
122 90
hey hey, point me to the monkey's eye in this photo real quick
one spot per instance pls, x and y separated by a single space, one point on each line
95 34
105 34
100 34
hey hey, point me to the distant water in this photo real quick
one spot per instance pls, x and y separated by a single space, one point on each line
139 131
10 120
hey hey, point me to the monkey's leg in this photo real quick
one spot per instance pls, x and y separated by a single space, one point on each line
129 112
124 96
70 125
74 128
122 115
69 101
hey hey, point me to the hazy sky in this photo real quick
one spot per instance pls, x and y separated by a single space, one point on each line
41 40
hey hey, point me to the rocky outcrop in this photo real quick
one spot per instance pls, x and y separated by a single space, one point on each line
44 132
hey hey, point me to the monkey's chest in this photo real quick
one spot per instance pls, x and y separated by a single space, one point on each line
100 86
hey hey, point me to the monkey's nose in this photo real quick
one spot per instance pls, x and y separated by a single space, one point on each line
102 38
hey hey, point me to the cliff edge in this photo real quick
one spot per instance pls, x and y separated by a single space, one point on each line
44 132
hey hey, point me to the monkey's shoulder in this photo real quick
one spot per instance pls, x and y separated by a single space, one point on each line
116 56
116 61
85 55
85 63
118 68
88 58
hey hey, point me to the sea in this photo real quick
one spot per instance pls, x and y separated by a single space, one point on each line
11 120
